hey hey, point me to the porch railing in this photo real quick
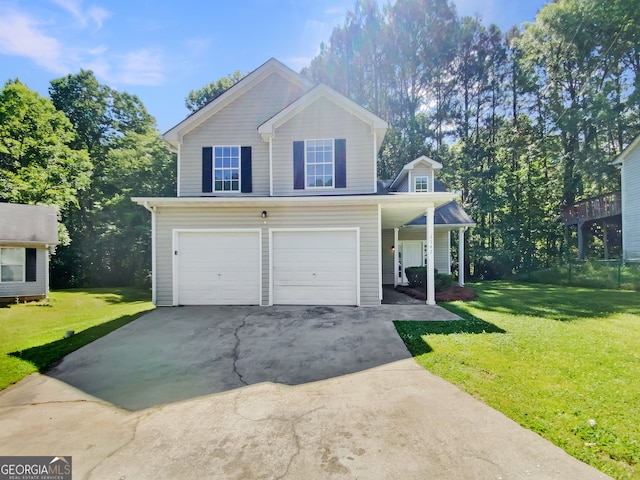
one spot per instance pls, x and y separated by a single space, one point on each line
602 206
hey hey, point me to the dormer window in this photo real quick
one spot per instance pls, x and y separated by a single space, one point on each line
421 184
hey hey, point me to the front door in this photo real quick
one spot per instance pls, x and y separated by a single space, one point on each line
412 256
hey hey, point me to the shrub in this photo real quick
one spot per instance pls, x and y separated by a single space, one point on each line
417 277
443 282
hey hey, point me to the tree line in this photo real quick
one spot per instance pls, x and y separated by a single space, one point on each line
87 149
524 122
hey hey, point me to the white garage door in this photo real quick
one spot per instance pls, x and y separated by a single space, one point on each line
315 267
217 268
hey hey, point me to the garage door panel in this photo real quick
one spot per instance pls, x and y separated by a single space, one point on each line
315 268
218 268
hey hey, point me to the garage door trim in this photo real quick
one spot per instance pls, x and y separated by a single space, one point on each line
176 247
356 230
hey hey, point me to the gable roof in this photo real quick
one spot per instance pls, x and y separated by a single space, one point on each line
625 153
411 165
378 125
451 214
175 134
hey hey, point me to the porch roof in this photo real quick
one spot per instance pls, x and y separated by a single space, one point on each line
397 209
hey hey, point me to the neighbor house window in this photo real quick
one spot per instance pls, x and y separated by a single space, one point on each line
226 169
12 264
422 184
319 163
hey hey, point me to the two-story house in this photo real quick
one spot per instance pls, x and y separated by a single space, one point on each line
629 163
278 202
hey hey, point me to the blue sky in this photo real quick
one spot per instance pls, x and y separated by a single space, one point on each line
160 49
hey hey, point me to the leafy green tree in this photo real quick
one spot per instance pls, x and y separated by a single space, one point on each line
111 234
199 98
38 163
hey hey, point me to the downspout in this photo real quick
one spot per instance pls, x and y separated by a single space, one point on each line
271 166
46 270
153 252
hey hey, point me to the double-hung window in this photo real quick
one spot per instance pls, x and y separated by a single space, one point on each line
12 264
319 163
421 184
226 169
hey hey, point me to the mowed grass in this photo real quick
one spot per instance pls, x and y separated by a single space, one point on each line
32 334
561 361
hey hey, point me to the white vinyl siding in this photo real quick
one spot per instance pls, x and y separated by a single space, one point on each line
23 288
419 171
365 218
631 205
324 119
236 124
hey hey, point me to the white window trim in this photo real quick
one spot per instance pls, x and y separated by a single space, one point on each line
24 265
213 170
419 178
333 164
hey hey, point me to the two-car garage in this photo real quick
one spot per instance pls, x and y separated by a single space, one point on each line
305 267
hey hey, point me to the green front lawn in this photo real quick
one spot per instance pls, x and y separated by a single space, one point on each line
32 334
561 361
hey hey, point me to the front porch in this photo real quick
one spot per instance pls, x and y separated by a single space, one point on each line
410 238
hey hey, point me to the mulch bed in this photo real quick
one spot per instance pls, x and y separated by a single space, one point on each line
451 295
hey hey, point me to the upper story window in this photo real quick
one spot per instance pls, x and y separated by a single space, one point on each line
421 184
319 163
226 169
12 264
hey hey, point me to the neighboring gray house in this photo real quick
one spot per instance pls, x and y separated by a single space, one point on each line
278 202
28 233
629 162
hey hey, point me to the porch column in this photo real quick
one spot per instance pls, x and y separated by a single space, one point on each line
396 263
461 231
431 290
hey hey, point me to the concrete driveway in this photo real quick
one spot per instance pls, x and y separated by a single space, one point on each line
279 392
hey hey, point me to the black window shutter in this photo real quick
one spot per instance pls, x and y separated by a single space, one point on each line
245 170
341 162
207 169
298 165
31 261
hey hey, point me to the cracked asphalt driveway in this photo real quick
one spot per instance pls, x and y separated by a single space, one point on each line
301 393
174 354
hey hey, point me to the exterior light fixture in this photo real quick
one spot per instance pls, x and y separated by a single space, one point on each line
264 214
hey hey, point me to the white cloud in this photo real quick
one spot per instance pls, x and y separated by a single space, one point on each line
20 36
93 13
141 67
